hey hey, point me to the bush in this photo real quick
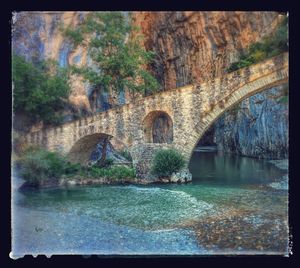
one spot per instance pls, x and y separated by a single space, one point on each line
72 169
38 165
34 168
166 162
108 162
122 172
116 172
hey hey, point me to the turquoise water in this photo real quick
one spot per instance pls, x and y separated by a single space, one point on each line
156 219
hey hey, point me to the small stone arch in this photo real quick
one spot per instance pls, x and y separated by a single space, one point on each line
83 148
158 127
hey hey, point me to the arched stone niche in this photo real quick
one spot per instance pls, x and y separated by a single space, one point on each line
158 127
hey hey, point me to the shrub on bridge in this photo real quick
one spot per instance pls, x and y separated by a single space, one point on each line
167 161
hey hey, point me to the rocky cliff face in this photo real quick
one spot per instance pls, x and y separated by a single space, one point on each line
197 46
37 35
189 45
257 127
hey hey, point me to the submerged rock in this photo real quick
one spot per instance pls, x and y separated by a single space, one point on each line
181 176
283 184
281 164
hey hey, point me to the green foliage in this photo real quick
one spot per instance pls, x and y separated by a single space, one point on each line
118 57
38 165
75 35
269 47
72 169
166 162
39 90
107 162
115 172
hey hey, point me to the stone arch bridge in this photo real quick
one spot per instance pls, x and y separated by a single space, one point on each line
189 110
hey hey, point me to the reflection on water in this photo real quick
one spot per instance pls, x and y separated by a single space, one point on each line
228 169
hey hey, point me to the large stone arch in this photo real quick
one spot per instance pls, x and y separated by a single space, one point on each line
244 92
158 127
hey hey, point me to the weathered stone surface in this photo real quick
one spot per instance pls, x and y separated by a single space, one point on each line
187 108
199 46
162 129
257 127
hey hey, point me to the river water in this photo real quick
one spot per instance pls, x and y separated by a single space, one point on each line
235 205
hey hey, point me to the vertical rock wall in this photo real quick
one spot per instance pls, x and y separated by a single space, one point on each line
197 46
258 127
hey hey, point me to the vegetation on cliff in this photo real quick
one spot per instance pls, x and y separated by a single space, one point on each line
167 161
40 90
270 46
114 46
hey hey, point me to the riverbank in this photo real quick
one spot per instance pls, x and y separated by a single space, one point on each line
252 224
77 181
243 232
80 180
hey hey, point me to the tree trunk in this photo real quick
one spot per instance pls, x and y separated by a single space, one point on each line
103 153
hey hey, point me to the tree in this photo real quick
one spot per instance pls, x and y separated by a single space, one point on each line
39 90
118 59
